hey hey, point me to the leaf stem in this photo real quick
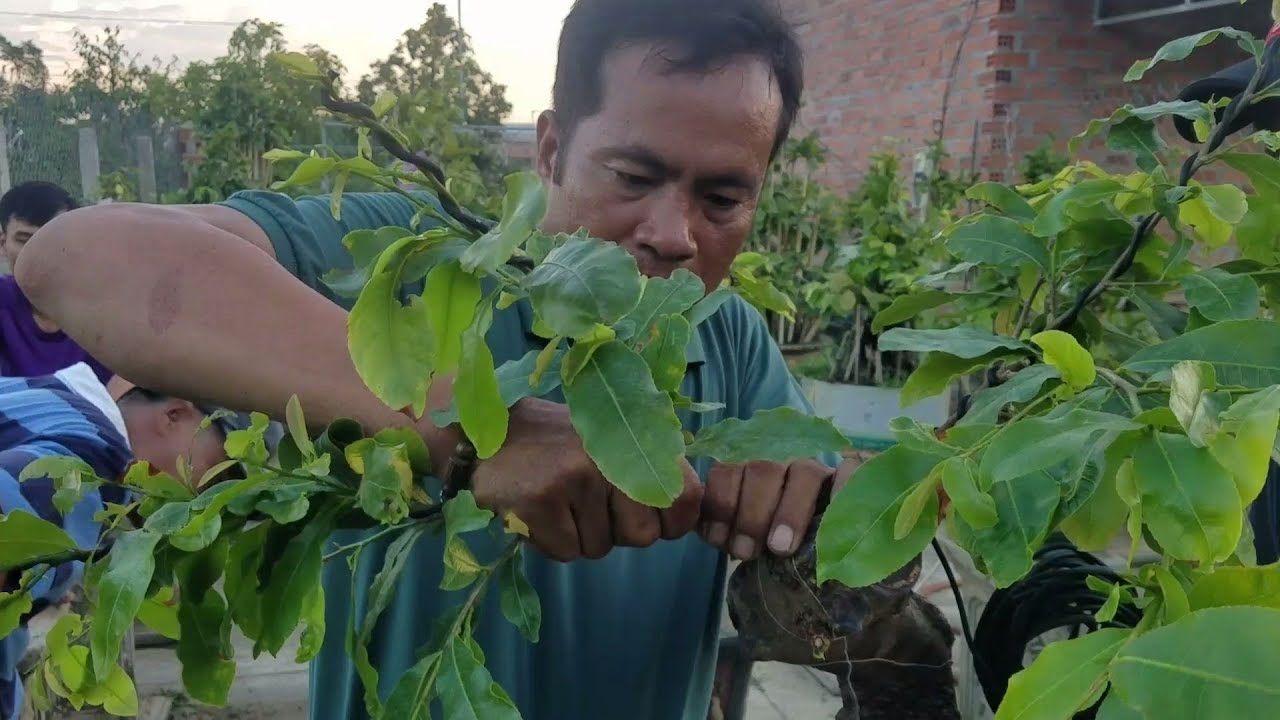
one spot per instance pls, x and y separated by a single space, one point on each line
1026 308
1130 391
432 514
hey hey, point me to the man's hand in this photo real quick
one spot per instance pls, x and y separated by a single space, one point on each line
545 477
748 507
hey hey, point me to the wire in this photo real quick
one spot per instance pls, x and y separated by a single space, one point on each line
118 18
1053 596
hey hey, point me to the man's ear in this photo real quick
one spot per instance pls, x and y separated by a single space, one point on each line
177 412
548 147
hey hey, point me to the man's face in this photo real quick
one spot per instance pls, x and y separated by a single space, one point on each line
15 235
162 431
671 166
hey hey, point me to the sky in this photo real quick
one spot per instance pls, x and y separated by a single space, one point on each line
515 40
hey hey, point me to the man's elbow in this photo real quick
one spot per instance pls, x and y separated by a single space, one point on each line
66 251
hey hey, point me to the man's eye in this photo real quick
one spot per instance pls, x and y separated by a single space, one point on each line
723 202
633 181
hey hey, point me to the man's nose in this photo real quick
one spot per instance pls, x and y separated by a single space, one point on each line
668 231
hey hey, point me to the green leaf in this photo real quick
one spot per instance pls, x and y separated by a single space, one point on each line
1025 507
241 578
384 103
381 590
1199 214
1215 663
582 283
462 515
908 517
279 154
1173 596
965 341
1229 586
663 349
1244 353
120 593
779 435
297 425
460 566
520 603
665 296
298 64
1189 500
160 614
1182 48
760 292
71 476
312 638
1192 401
628 426
1188 109
1247 454
1263 172
856 544
1022 387
12 607
960 481
522 210
935 373
25 538
451 296
1107 612
1065 353
995 240
708 306
411 697
1004 199
1064 679
307 172
1097 521
386 480
1055 215
1036 444
1139 137
514 381
204 648
1258 232
294 576
390 343
467 690
913 434
481 408
1219 295
905 307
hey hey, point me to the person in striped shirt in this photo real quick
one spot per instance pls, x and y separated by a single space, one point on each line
109 427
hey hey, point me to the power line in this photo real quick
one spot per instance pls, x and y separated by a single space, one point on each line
117 18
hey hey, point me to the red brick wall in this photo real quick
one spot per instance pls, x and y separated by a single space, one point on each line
1025 70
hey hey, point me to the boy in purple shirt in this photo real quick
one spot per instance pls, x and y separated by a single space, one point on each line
31 345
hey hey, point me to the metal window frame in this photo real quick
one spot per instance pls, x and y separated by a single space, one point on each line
1175 8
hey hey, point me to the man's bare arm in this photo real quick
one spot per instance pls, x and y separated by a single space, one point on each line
191 301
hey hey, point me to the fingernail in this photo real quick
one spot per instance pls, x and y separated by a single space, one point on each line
718 533
780 540
743 547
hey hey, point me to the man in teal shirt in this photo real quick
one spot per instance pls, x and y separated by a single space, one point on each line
666 116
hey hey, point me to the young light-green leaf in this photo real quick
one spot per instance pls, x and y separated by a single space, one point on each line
386 480
1189 500
1064 677
1064 352
582 283
965 341
522 210
1056 215
451 296
1244 353
935 374
905 307
913 434
1228 586
778 435
856 544
514 382
390 343
1214 663
913 507
995 240
297 425
1219 295
1002 198
960 481
628 426
520 603
1247 453
120 593
1263 172
481 408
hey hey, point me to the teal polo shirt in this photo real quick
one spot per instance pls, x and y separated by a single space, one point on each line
632 636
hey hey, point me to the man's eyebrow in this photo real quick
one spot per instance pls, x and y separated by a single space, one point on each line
650 161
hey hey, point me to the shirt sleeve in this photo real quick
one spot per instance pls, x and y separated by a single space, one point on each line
308 240
765 381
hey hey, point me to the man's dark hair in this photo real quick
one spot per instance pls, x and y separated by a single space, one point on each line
694 36
35 202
